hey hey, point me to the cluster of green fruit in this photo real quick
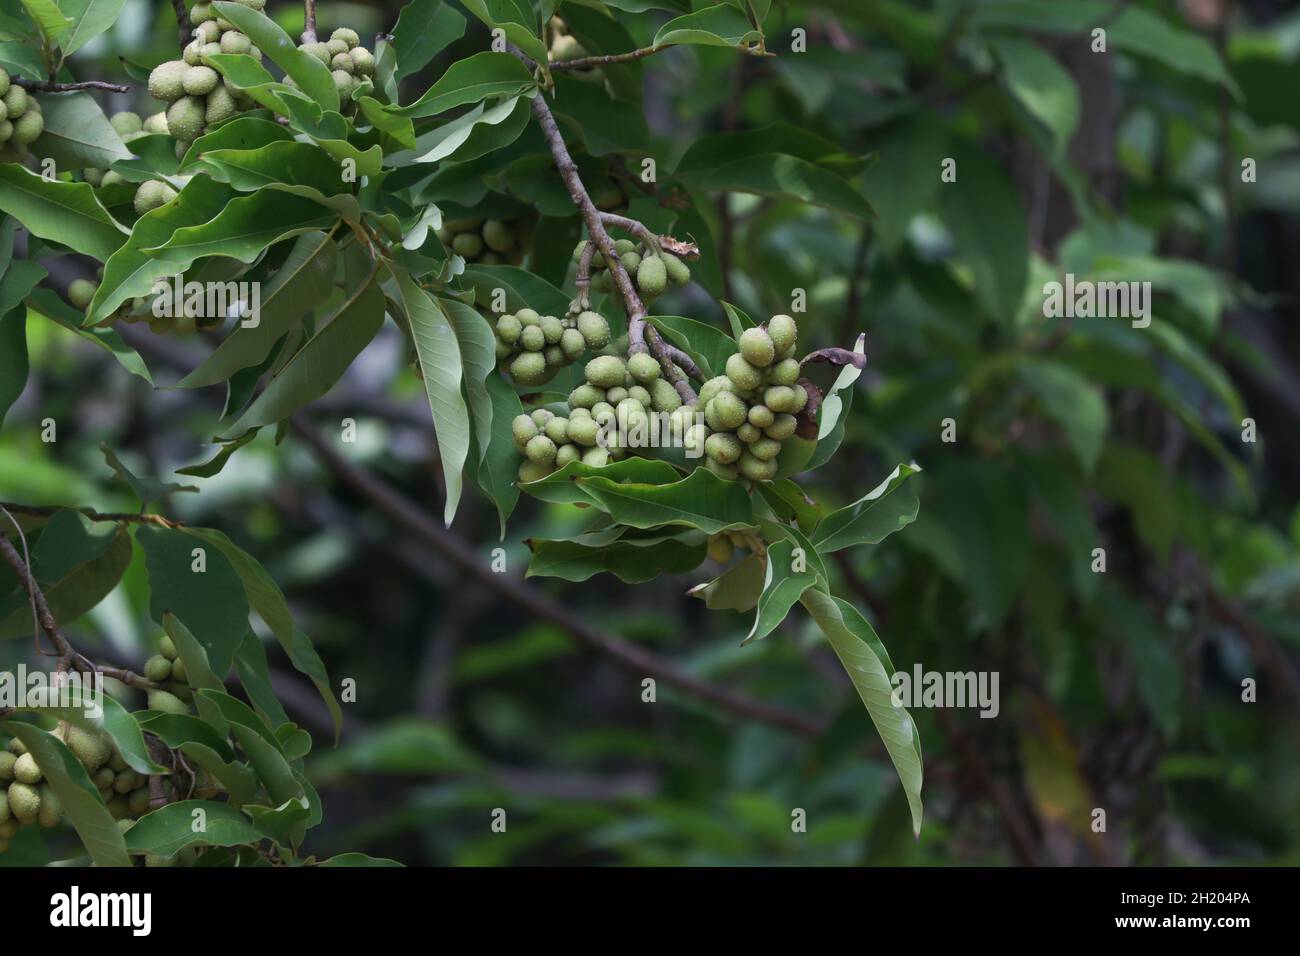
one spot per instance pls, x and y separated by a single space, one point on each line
488 242
20 120
351 64
533 347
605 416
129 126
651 269
751 409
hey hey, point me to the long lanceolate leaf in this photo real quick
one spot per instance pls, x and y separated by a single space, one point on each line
859 649
66 213
438 353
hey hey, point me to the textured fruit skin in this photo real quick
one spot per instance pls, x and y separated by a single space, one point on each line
782 427
167 648
91 749
784 372
765 449
595 457
167 81
784 332
652 276
643 367
346 35
723 447
532 338
467 244
125 122
744 376
540 449
532 471
756 469
727 472
167 703
26 770
200 80
663 396
528 368
583 432
185 118
7 761
605 371
5 815
28 127
572 344
760 416
157 668
24 802
151 195
725 412
757 348
594 328
220 106
51 811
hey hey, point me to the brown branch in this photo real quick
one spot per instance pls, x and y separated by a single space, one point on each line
183 27
410 517
309 21
50 86
130 678
43 614
128 516
591 62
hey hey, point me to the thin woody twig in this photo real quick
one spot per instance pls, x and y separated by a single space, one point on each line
44 616
50 86
129 516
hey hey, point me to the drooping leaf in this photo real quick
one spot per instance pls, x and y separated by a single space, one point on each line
482 76
77 134
424 29
147 490
702 500
890 506
169 829
66 213
311 75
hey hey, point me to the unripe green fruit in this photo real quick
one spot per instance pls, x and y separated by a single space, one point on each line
179 674
166 648
601 282
26 770
167 81
551 328
528 317
467 244
567 454
80 292
725 412
720 548
554 356
137 802
151 195
364 61
24 802
779 398
585 396
572 344
50 814
757 348
663 397
92 750
652 276
27 127
498 235
726 472
16 101
158 668
128 780
800 399
639 393
523 429
679 273
347 36
208 31
541 416
532 338
16 747
167 703
185 117
508 329
743 375
631 261
221 106
756 469
765 449
201 12
193 53
320 51
116 763
596 457
532 471
528 368
783 332
5 815
719 383
622 246
784 372
4 81
583 431
126 122
233 41
342 61
760 416
200 80
782 428
336 47
723 447
540 450
103 778
643 367
6 129
118 808
156 123
605 371
594 328
557 430
212 49
7 761
615 394
343 83
748 433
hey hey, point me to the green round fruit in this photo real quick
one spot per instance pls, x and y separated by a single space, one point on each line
756 469
644 367
27 127
783 332
528 368
26 770
5 815
743 375
523 429
583 431
343 61
567 454
343 82
765 449
782 428
232 41
725 412
748 433
103 778
151 194
541 416
185 117
532 338
167 81
80 292
532 471
336 47
158 668
200 80
800 399
320 51
663 397
4 81
541 450
719 383
193 53
605 371
557 430
652 276
16 747
208 31
7 761
346 36
118 808
167 648
727 472
179 674
138 801
166 702
572 344
779 398
594 328
467 244
50 814
364 61
498 235
585 396
723 447
508 329
784 372
596 457
552 328
631 261
640 393
92 750
126 122
760 416
201 12
156 123
24 802
679 273
757 348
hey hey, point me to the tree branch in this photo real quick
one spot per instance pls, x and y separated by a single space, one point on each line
43 615
309 21
50 86
183 27
638 661
591 62
129 516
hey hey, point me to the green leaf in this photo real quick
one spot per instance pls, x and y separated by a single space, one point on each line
708 345
477 346
210 602
302 283
46 302
322 361
441 366
472 134
311 75
48 17
784 177
855 643
1072 401
834 402
718 25
358 859
66 213
77 134
499 461
131 271
168 830
424 29
177 729
482 76
79 591
784 581
198 668
1041 85
299 164
147 490
563 486
89 19
873 517
632 559
522 288
736 589
702 500
243 132
248 75
517 21
13 358
245 227
399 128
261 746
